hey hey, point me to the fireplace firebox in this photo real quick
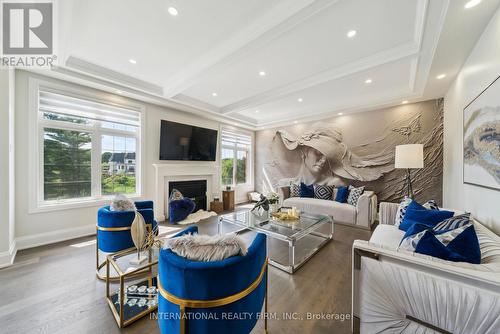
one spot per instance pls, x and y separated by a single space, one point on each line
196 190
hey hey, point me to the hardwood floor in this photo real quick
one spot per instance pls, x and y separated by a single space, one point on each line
53 289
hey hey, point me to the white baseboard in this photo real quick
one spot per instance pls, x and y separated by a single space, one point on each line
41 239
7 257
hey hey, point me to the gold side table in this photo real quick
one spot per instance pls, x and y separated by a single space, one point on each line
137 295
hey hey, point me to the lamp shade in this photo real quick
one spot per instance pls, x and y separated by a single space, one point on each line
409 156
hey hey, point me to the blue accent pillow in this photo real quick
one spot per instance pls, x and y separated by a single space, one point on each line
342 194
306 190
179 209
416 213
457 245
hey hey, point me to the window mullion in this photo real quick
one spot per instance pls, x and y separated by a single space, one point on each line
96 162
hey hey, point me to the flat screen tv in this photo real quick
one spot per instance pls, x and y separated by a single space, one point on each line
186 142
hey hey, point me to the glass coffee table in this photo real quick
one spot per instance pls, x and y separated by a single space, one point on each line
288 231
137 294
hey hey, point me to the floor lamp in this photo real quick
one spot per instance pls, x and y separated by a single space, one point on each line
410 156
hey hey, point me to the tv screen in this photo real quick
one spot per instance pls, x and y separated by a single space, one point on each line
186 142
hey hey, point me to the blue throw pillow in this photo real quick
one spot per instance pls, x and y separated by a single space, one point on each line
416 213
457 245
342 194
179 209
306 190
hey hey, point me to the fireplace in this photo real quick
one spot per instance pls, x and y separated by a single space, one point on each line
195 190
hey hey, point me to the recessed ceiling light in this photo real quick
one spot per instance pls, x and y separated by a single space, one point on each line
441 76
214 94
257 111
173 11
132 61
351 33
340 114
295 122
368 81
472 3
300 99
262 73
404 102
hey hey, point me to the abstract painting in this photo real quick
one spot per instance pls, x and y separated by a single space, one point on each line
482 138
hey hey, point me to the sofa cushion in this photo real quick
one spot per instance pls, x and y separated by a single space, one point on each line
323 191
457 245
354 194
416 213
306 190
387 236
342 194
294 190
341 212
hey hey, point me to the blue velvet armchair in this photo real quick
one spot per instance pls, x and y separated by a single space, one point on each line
113 229
212 297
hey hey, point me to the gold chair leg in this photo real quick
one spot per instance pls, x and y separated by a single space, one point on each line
265 301
182 322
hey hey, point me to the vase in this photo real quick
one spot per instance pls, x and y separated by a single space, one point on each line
273 208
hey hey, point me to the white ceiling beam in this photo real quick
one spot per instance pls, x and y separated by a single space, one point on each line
271 25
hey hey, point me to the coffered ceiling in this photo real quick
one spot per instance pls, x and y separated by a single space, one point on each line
261 63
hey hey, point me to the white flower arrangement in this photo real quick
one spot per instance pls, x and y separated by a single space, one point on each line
273 198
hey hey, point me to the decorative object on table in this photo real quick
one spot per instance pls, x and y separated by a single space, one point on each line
274 200
287 214
228 188
253 196
236 285
179 207
261 205
138 232
113 230
228 200
122 203
409 156
481 135
217 207
197 216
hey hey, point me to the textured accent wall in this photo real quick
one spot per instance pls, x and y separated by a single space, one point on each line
356 149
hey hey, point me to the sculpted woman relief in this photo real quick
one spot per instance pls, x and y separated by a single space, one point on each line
321 153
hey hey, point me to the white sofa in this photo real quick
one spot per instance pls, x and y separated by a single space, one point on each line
362 215
404 292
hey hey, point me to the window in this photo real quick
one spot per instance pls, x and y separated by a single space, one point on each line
89 149
235 166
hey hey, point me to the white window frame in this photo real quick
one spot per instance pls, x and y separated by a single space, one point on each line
36 145
235 149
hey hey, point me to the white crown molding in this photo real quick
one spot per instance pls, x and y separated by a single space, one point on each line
282 18
385 57
87 67
387 101
106 85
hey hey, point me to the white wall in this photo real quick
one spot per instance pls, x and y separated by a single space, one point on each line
480 69
40 228
7 244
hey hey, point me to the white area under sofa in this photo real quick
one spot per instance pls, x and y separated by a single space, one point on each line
362 215
404 292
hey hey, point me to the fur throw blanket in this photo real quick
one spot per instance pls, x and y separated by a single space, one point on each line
200 247
122 203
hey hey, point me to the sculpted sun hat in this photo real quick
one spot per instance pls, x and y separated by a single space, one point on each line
341 161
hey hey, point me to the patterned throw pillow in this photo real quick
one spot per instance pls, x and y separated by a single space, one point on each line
294 190
457 245
453 223
323 191
400 213
354 194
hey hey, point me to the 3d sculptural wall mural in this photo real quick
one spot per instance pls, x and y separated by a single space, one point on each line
356 149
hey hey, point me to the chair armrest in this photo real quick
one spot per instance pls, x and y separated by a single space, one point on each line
366 209
387 213
428 264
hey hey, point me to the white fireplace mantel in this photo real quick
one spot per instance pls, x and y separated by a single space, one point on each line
165 173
